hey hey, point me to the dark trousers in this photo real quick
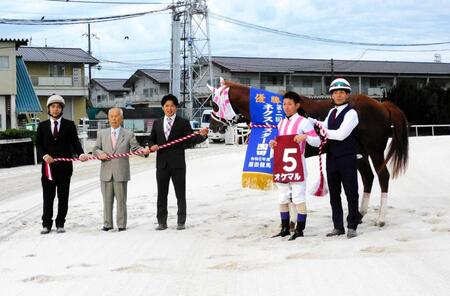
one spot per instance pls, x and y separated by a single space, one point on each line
178 176
343 170
60 186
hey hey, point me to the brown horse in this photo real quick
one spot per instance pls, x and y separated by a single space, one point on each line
377 122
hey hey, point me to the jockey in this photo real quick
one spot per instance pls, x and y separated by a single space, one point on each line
294 124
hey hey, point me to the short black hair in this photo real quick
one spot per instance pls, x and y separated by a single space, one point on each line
293 96
296 98
169 97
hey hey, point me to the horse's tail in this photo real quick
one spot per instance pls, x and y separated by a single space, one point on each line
398 148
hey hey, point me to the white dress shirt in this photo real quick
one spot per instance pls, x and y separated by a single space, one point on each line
348 124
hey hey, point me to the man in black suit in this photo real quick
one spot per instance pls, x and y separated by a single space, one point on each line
170 162
56 137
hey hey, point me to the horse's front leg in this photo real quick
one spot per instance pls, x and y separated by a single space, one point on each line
367 177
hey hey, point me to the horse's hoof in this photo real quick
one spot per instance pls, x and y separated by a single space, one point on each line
380 223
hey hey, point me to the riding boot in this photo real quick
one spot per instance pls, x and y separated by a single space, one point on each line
284 228
298 230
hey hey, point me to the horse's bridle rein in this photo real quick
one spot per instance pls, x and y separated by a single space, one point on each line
225 121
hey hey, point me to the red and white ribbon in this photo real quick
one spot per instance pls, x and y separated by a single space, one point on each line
321 189
263 125
48 171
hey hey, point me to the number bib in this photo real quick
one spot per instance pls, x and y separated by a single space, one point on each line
287 161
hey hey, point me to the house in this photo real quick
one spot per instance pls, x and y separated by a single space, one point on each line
108 92
147 87
59 71
17 97
311 77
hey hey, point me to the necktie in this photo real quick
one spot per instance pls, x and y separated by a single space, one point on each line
168 127
55 129
113 139
333 114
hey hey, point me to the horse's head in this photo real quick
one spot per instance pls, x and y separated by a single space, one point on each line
223 114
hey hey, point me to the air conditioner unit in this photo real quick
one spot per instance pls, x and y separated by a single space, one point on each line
276 89
306 91
375 91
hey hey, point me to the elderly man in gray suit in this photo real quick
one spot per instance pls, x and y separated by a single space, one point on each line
115 173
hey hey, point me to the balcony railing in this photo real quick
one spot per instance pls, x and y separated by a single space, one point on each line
141 98
52 80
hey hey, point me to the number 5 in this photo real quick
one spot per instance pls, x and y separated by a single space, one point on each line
289 159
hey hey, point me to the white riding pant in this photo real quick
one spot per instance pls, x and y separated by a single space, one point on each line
296 190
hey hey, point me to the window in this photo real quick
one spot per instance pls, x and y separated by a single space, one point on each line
4 62
215 82
374 82
244 81
56 70
307 82
146 92
101 98
272 80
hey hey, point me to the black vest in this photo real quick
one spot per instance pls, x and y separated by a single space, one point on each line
346 146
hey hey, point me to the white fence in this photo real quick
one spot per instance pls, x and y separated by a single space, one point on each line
429 130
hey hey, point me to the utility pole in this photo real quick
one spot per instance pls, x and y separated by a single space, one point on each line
191 41
89 52
175 66
332 69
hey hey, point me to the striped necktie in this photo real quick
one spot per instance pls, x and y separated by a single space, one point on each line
168 127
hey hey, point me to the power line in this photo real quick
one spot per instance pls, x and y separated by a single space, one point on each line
320 39
106 2
73 21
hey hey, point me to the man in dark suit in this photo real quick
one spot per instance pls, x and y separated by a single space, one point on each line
56 137
170 162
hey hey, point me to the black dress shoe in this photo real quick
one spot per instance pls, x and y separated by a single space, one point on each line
161 227
297 233
336 232
284 232
181 227
106 228
122 229
45 230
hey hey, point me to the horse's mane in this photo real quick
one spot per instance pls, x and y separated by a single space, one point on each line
235 84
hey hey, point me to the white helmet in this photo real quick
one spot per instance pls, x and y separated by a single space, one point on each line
340 84
55 99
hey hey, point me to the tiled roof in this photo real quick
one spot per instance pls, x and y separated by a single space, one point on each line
160 76
18 42
54 54
285 65
112 84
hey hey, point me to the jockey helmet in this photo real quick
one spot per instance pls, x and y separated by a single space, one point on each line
55 99
340 84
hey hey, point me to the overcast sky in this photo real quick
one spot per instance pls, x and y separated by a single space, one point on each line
148 42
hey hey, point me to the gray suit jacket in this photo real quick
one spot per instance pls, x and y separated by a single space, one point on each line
118 168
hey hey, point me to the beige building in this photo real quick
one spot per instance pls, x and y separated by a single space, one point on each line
17 97
59 71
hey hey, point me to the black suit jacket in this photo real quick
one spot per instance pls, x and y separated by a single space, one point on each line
65 145
173 156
